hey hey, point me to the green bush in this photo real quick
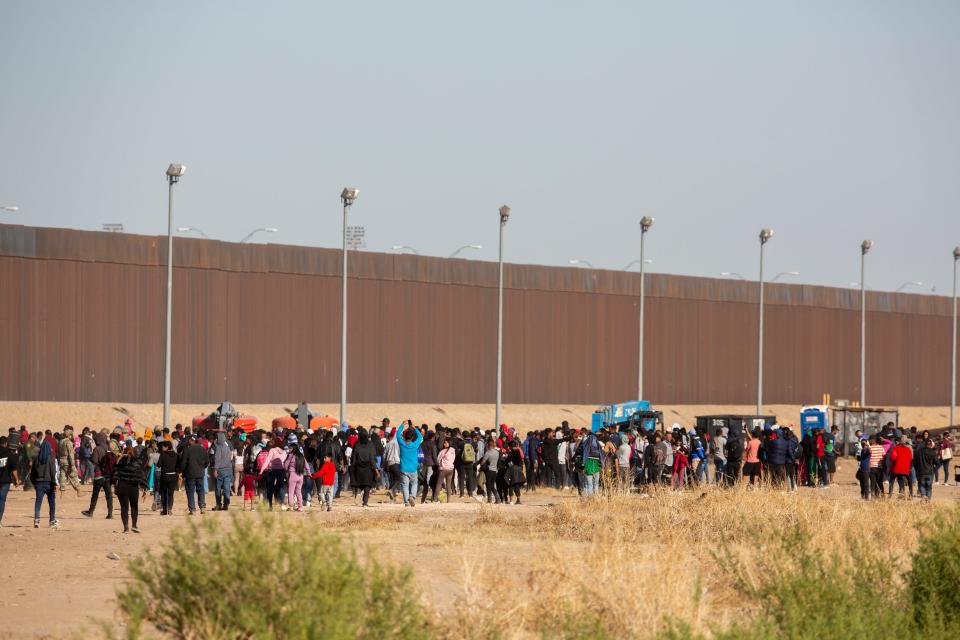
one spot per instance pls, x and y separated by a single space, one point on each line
934 579
268 578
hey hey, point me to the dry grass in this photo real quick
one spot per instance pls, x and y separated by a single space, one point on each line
624 566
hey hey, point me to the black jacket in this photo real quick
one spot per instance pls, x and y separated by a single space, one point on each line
129 470
194 462
925 461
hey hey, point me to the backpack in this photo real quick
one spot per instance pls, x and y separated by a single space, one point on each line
107 463
469 453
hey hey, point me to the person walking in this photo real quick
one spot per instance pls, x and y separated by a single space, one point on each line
166 477
515 478
327 475
129 478
67 458
103 460
863 471
193 467
590 453
222 462
751 463
46 482
9 474
272 468
363 467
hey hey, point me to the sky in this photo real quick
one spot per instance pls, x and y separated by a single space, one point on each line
827 121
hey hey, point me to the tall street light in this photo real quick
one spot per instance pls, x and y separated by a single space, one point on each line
256 231
765 235
645 223
174 173
953 363
585 263
193 229
865 247
908 283
466 246
504 216
633 262
349 195
784 273
402 247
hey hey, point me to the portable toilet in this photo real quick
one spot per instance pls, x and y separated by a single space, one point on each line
814 417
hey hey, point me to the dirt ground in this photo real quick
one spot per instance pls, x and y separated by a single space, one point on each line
55 581
54 415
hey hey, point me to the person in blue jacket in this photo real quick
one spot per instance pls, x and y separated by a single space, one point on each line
409 443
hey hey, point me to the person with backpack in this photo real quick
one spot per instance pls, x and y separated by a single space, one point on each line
488 466
590 453
45 474
468 460
103 460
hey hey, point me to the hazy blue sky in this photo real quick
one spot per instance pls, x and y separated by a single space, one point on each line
829 121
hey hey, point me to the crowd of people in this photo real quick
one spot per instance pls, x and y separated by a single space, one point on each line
289 469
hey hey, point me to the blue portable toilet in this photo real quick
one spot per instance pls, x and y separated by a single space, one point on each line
814 417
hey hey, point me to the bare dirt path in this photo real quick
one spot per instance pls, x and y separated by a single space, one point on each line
56 581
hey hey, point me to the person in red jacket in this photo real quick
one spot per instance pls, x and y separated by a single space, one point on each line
327 473
901 459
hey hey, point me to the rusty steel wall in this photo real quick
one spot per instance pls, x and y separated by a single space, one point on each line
83 321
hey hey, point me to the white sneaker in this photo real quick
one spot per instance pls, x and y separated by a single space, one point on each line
55 525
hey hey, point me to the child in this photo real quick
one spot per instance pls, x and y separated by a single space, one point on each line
249 489
326 474
295 466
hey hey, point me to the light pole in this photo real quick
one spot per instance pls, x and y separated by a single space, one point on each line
348 196
504 216
645 223
633 262
585 263
784 273
401 247
909 283
732 274
865 247
765 235
256 231
466 246
194 229
174 173
953 362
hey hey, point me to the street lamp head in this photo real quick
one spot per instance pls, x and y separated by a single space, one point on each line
765 234
574 261
397 247
349 195
271 229
176 170
956 253
183 229
475 246
865 246
504 214
12 209
645 223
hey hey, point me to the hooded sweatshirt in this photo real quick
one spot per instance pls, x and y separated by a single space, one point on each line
222 456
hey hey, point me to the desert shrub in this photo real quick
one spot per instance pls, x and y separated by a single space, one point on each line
934 576
268 578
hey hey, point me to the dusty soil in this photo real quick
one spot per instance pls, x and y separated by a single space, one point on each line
54 582
54 415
